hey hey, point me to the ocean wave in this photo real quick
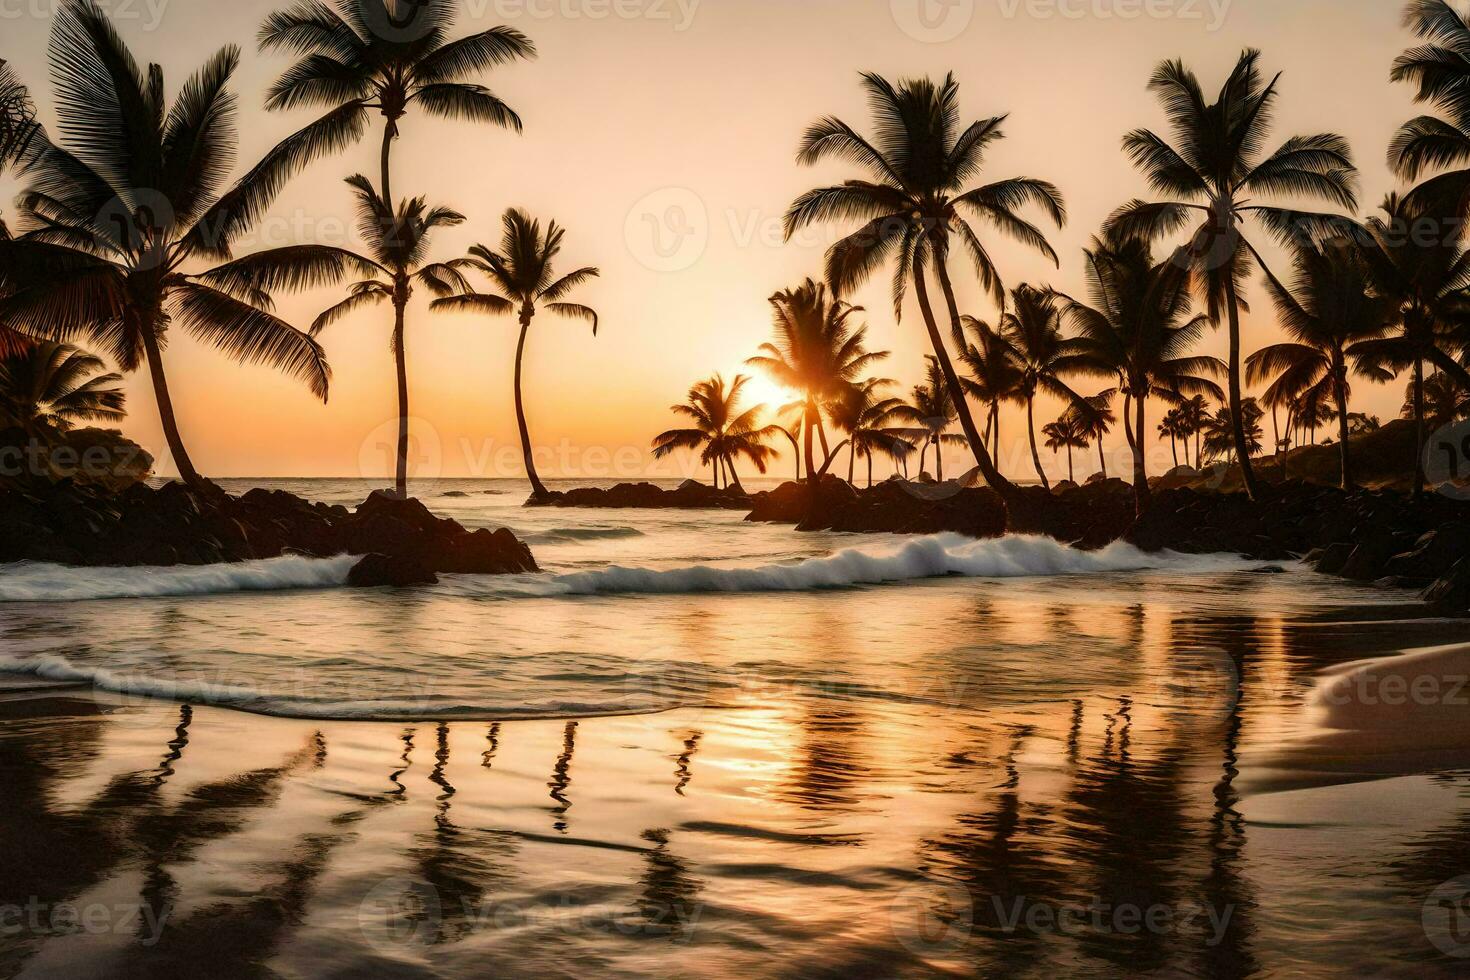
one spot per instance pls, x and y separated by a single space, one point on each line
36 582
936 556
559 535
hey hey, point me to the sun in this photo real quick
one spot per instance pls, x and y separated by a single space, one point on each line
762 390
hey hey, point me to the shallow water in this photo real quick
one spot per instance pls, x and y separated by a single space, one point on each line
1039 762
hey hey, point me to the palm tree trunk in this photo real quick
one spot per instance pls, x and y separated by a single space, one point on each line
1128 420
1070 474
1418 428
939 458
1342 422
869 455
1237 418
811 465
1102 459
995 430
390 131
1140 466
400 365
538 489
1174 448
1031 430
176 449
851 463
923 456
1286 450
734 478
992 475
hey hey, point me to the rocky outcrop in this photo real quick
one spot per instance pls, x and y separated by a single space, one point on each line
378 571
690 495
75 524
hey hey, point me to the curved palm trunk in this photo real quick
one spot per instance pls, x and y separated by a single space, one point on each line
400 365
176 449
939 458
390 132
1140 465
869 455
852 463
1031 431
538 489
1174 449
1102 459
1237 419
923 457
1070 473
992 475
733 481
1340 369
995 431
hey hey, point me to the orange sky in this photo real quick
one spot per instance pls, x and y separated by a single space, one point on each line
683 116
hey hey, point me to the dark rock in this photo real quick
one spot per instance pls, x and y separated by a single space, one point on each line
690 495
378 571
1451 594
1334 558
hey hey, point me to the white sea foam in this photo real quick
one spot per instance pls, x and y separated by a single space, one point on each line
935 556
33 582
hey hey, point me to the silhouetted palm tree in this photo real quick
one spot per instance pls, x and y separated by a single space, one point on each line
1096 420
721 431
131 198
523 277
397 246
1215 170
1138 328
819 353
1220 431
913 203
386 55
1172 425
1444 400
1194 413
1065 433
48 387
1423 274
18 127
1031 330
1440 68
991 375
867 419
1328 308
933 411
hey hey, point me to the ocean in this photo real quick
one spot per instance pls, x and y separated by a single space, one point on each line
694 746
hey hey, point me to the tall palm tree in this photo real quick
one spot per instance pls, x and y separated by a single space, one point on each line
128 200
1065 433
47 388
721 431
397 244
1139 328
1215 170
991 376
934 412
1440 69
1328 308
524 281
1194 413
1425 276
1031 330
818 352
386 55
914 202
866 418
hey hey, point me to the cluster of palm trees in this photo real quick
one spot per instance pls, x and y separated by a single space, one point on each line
129 199
1370 298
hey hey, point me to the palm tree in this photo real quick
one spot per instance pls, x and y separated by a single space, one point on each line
866 418
388 55
1194 413
1440 68
1065 433
1220 431
1328 308
1361 423
1214 170
991 376
19 130
1031 330
1444 400
1172 425
1139 329
523 275
819 353
397 242
934 412
131 199
1424 276
1095 421
721 430
913 203
47 387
